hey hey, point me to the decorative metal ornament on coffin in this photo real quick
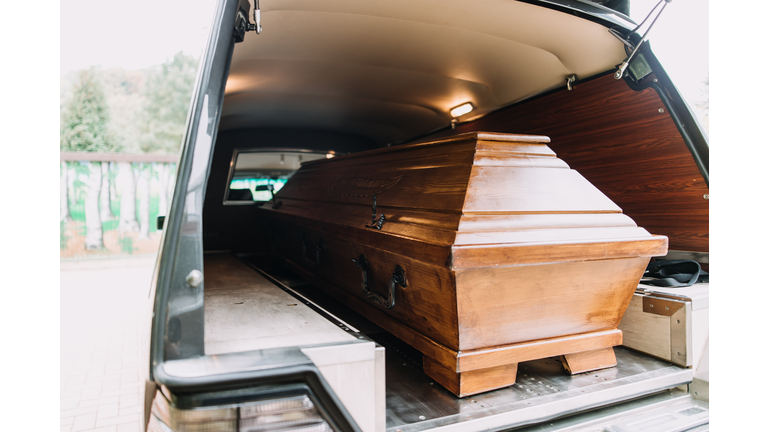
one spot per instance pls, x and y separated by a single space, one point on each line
375 223
484 224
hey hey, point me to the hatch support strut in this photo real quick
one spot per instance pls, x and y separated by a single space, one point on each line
256 18
623 67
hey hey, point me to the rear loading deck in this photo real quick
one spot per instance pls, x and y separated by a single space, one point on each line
415 402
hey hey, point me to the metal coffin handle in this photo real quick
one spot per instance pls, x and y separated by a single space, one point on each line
398 278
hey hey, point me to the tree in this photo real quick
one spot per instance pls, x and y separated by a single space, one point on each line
64 199
163 179
145 175
84 119
168 92
94 238
125 97
84 129
127 182
104 198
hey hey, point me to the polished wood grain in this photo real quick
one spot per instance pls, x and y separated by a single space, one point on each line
586 361
465 384
618 140
426 305
499 306
533 350
509 254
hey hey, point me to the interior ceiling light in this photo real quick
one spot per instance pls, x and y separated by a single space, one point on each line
461 110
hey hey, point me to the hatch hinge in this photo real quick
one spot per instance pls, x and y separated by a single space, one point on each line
626 41
242 24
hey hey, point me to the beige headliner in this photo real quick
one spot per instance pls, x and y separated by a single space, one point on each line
392 70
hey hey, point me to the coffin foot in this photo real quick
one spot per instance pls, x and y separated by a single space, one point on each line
586 361
472 382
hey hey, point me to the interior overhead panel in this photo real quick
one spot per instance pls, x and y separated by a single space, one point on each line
392 70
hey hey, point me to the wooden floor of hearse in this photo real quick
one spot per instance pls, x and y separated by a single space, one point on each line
543 391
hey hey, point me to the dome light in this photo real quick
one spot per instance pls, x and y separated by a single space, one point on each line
461 110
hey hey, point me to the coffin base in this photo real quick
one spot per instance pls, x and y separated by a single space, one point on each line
465 373
473 382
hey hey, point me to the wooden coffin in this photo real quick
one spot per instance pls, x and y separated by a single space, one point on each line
481 250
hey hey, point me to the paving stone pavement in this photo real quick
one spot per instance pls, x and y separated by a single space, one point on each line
102 304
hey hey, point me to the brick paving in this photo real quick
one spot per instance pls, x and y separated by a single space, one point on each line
102 303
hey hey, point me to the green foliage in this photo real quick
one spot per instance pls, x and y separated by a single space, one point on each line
77 211
109 225
81 169
126 244
115 205
115 110
125 97
63 238
154 209
84 119
168 92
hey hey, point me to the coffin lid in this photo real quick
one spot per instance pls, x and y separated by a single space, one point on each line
479 193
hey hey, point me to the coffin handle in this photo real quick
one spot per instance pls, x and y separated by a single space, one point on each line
305 248
398 278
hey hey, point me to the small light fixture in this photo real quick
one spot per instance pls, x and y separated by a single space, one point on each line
329 155
461 110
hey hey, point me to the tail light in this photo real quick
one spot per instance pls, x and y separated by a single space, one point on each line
287 414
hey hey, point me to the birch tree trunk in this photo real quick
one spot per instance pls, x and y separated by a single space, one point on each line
64 188
143 188
71 175
112 188
106 209
128 222
162 180
93 233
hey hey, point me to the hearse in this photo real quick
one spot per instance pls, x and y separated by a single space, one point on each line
432 215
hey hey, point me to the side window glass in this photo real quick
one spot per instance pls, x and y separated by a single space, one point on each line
256 174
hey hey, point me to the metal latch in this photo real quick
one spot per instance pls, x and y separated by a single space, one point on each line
375 223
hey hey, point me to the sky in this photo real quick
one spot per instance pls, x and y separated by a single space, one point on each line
131 35
680 40
134 38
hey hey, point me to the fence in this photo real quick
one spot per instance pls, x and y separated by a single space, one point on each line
110 203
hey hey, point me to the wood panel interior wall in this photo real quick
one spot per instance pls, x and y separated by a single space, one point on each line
617 139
